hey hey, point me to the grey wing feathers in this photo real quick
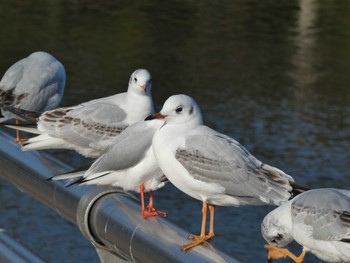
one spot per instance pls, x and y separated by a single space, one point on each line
83 125
127 149
220 159
326 211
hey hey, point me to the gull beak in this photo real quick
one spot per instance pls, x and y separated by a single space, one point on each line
144 88
156 116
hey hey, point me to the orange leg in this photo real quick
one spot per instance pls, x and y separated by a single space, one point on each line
151 210
211 226
18 139
277 253
197 240
151 207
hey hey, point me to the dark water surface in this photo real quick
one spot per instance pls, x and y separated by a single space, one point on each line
275 75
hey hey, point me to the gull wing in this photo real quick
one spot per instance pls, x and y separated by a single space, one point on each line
325 212
213 157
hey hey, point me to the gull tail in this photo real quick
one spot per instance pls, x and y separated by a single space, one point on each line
76 175
298 188
26 127
42 142
30 116
285 188
78 178
66 176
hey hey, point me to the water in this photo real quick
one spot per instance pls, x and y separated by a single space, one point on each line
272 74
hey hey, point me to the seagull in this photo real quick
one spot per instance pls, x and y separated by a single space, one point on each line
129 163
35 83
212 167
88 128
318 219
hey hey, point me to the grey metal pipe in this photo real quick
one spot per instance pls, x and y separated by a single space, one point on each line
109 218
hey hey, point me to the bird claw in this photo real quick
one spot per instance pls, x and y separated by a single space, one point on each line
153 210
207 237
196 240
277 253
152 213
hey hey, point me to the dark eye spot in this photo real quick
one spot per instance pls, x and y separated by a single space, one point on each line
277 239
179 109
135 79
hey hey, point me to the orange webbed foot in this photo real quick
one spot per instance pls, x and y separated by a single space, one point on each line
152 213
157 212
196 241
277 253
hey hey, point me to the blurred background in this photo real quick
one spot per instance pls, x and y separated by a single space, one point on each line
274 75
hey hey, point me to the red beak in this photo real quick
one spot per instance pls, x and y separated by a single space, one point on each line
155 116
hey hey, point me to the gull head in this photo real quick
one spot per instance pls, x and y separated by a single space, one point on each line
41 56
276 227
179 109
141 81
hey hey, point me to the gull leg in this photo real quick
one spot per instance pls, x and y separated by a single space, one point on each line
142 197
211 226
18 139
151 208
197 240
277 253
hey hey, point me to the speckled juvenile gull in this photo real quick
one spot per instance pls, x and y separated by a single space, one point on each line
89 128
212 167
318 219
129 163
35 83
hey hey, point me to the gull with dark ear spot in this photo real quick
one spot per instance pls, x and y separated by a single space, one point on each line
212 167
318 219
89 128
35 83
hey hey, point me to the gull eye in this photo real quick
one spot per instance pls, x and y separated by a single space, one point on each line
179 109
135 79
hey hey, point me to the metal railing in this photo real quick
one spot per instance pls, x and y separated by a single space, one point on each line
107 217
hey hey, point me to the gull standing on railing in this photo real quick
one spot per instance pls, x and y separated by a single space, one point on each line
35 83
89 128
212 167
129 163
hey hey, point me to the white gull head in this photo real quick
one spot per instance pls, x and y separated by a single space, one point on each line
181 109
276 227
140 82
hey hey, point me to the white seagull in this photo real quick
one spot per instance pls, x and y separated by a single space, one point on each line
212 167
88 128
318 219
35 83
129 163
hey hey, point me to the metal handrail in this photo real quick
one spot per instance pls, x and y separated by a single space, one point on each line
109 218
